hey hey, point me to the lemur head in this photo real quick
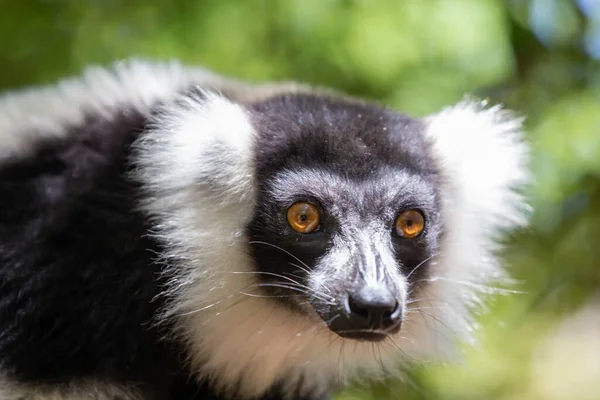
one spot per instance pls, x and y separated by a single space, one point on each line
310 238
347 211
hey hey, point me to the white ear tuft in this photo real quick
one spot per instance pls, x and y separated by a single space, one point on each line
200 145
483 158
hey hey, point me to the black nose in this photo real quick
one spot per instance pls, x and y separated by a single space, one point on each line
373 308
370 313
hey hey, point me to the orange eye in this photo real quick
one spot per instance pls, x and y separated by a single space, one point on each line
410 224
303 217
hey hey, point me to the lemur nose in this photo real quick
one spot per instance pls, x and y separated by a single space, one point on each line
374 308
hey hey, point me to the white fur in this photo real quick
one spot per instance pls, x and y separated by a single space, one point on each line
29 114
49 111
484 159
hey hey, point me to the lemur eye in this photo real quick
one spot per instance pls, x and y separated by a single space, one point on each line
303 217
410 224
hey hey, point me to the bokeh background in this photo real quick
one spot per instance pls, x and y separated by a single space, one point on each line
539 57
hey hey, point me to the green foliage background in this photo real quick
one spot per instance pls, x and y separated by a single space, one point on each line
535 56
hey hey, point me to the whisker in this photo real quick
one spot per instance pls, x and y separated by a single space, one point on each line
304 267
201 309
300 267
306 289
294 282
423 314
380 358
427 308
438 320
340 357
489 289
403 352
270 274
282 249
229 307
308 272
228 297
411 301
268 296
298 289
421 263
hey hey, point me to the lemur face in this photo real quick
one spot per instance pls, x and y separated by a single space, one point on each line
348 211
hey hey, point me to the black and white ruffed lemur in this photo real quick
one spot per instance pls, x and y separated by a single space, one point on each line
166 233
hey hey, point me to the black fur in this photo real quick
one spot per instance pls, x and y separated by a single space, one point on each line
77 278
351 138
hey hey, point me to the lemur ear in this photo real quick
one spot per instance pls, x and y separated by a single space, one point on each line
484 159
200 145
